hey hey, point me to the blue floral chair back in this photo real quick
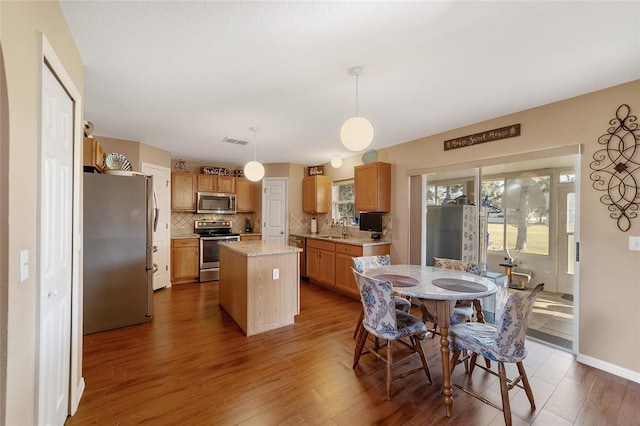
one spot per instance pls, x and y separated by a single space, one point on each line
363 263
457 265
512 327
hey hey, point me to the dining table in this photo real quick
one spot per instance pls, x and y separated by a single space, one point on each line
444 287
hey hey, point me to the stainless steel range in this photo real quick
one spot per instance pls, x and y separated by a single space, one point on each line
212 232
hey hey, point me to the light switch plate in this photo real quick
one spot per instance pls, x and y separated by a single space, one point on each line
276 273
634 243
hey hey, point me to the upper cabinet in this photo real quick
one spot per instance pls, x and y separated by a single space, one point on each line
183 191
245 196
315 194
214 183
373 187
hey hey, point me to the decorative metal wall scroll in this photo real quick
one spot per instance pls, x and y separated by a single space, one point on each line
482 137
615 167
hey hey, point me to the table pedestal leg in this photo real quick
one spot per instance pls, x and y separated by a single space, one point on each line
443 318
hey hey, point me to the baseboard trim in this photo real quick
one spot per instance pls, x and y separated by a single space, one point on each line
634 376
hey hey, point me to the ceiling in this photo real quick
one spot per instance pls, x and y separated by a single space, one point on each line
184 75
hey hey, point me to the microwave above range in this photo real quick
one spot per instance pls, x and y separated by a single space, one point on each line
216 203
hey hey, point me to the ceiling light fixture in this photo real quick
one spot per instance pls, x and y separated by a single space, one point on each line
357 132
336 161
253 170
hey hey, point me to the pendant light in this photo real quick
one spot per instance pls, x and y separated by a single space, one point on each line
336 162
357 132
253 170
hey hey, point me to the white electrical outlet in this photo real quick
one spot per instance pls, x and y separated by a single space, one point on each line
276 273
634 243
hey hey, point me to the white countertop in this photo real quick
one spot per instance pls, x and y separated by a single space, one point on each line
259 248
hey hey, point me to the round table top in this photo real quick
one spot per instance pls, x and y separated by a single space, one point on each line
427 282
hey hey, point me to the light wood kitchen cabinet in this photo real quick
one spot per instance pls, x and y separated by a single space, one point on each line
93 154
245 196
330 263
315 194
183 192
250 237
345 282
215 183
321 261
185 260
372 187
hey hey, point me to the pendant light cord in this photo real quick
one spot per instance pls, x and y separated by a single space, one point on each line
357 95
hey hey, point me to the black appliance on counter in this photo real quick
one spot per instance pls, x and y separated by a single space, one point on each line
212 232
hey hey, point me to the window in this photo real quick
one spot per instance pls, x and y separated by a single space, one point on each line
342 196
518 217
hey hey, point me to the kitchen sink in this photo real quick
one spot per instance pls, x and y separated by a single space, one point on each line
331 237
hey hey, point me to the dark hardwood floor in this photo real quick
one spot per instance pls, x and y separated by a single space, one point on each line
192 365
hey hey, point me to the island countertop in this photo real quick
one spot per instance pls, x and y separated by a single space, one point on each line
259 248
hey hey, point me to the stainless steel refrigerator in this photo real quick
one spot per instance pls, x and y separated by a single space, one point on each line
452 233
118 251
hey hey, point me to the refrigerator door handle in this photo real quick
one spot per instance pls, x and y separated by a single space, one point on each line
156 211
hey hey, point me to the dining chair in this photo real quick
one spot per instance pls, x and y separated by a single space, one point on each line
383 321
504 343
463 310
363 263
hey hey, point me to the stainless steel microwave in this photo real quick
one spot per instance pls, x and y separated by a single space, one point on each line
216 203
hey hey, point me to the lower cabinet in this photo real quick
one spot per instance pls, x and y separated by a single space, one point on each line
185 260
329 264
321 261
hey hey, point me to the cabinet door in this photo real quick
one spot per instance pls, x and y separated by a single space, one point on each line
185 259
315 194
206 183
313 263
245 196
372 187
183 192
226 184
345 280
327 267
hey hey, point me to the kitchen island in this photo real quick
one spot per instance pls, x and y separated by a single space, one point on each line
259 284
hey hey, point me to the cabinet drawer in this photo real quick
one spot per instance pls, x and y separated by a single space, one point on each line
353 251
322 245
185 242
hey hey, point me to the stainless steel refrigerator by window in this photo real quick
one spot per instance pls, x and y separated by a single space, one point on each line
118 250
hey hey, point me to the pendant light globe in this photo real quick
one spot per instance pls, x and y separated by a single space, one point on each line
336 162
356 133
254 171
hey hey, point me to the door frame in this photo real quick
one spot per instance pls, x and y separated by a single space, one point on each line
76 388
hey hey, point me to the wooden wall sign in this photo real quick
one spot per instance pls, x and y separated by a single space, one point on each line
488 136
218 171
315 170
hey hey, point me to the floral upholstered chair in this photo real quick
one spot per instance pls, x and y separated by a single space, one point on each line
363 263
503 344
384 321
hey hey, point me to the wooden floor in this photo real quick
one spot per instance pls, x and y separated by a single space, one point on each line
193 366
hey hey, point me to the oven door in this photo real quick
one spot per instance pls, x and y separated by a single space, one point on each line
210 256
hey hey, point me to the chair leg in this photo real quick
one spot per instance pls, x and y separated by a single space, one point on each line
389 364
360 347
504 392
526 385
454 360
358 329
474 358
418 345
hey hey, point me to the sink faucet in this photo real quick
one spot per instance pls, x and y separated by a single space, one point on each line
343 223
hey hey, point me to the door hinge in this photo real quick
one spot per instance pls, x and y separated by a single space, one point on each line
166 268
577 251
264 190
168 182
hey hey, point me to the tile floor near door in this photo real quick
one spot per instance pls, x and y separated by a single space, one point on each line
552 319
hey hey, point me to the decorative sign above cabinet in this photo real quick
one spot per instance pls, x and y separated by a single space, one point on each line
218 171
488 136
315 170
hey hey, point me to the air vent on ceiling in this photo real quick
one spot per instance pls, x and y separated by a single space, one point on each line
235 141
